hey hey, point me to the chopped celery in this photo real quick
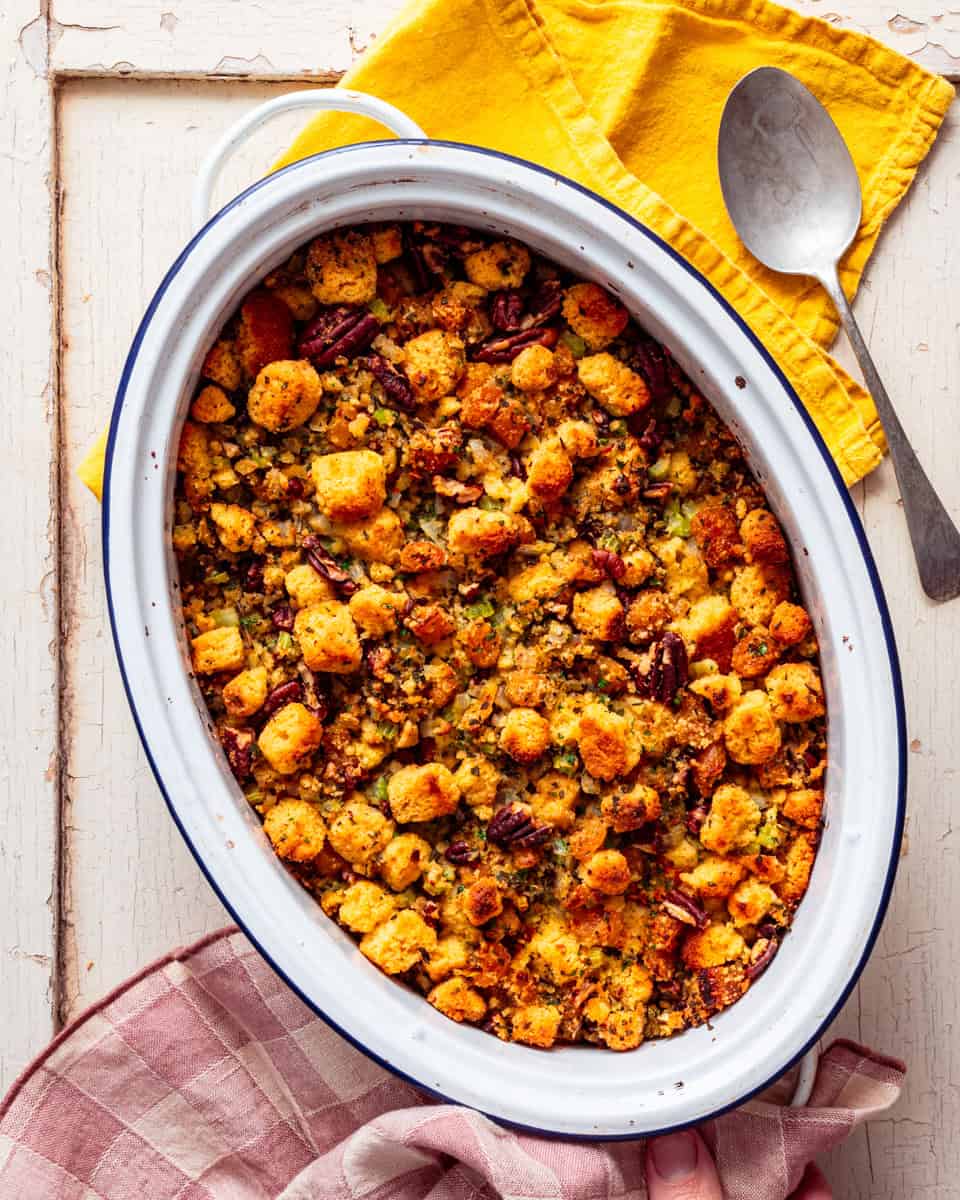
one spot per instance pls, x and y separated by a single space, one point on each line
567 762
285 643
660 469
379 309
489 504
676 520
576 345
218 577
379 790
383 416
674 407
223 617
482 608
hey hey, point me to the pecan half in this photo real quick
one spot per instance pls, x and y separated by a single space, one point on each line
338 331
652 361
682 908
515 828
707 768
314 696
659 491
286 693
326 565
506 349
396 386
282 618
651 436
379 659
461 853
545 303
669 670
416 557
453 489
766 958
506 311
419 271
238 747
253 576
695 819
610 563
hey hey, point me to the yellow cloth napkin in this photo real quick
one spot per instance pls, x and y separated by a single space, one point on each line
625 97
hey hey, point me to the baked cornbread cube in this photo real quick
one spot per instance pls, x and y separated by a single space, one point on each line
713 989
449 955
803 806
222 366
460 308
756 591
525 735
499 265
290 738
593 314
387 243
720 691
598 613
579 438
638 567
285 395
478 780
375 609
365 906
762 538
715 528
350 484
245 693
476 531
212 405
732 821
751 732
602 738
404 860
798 864
236 526
359 832
434 363
298 298
714 878
399 943
342 268
607 871
482 902
374 539
305 586
713 946
295 829
218 650
456 999
542 581
264 332
421 793
632 808
796 692
613 385
328 638
526 689
555 799
535 1024
480 394
534 369
789 624
648 615
549 470
751 902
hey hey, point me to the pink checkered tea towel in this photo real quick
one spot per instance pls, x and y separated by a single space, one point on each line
206 1078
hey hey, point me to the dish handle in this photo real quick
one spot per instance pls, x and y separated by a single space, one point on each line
806 1076
319 100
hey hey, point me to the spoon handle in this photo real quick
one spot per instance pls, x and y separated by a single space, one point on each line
935 538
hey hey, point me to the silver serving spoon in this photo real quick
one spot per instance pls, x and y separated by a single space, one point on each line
792 192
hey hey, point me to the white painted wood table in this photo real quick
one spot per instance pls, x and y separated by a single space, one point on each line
107 107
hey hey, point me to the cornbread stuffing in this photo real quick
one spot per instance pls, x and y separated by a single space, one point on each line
500 637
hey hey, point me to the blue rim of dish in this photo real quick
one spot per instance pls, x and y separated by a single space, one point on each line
852 514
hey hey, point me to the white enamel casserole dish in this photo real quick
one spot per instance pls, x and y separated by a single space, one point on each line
571 1091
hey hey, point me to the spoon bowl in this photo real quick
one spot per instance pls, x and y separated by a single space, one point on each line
788 181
